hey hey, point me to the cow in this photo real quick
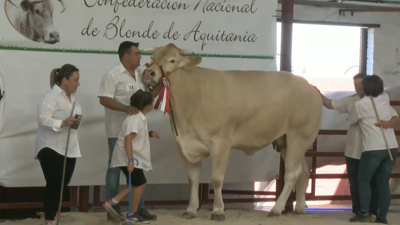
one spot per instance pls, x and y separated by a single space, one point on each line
215 111
35 20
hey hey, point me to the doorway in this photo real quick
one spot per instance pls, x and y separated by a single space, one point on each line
328 56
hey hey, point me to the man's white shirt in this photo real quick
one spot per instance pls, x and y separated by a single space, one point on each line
54 107
119 85
354 134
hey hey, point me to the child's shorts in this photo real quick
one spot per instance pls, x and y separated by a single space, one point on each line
137 176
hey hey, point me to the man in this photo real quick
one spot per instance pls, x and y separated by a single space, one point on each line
117 86
353 148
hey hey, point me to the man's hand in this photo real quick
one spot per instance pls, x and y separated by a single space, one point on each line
155 134
316 89
131 110
130 167
68 122
385 124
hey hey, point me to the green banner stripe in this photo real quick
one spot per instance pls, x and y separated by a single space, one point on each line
115 52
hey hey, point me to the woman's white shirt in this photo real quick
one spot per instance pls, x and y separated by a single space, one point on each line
364 114
140 144
54 107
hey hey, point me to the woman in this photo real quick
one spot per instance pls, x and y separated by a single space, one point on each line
54 109
375 162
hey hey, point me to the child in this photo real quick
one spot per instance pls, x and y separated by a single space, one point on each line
375 161
133 145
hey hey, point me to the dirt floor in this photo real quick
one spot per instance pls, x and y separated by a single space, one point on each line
233 217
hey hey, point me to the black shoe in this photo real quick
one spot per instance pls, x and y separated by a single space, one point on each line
143 213
379 220
361 217
117 209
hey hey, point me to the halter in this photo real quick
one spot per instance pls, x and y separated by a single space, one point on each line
165 95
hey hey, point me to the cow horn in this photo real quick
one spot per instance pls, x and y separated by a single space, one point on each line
148 50
63 5
183 52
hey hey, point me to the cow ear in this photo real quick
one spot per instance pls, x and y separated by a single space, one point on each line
24 5
191 61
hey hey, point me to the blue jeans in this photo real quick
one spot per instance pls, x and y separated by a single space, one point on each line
352 172
376 165
112 175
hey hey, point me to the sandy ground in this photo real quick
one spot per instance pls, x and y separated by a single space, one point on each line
233 217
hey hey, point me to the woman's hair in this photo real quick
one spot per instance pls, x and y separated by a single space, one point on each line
373 85
141 99
58 74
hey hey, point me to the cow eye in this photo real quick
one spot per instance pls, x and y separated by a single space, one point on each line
172 61
37 11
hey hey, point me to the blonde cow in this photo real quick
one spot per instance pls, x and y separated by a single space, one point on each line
215 111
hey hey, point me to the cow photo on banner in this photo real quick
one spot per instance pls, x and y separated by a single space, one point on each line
38 36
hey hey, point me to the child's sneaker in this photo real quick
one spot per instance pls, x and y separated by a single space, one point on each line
135 218
108 206
132 218
51 222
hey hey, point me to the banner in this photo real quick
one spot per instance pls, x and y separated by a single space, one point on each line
2 100
71 37
234 27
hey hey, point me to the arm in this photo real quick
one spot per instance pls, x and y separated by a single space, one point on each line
112 104
354 115
327 102
392 122
107 92
156 90
46 116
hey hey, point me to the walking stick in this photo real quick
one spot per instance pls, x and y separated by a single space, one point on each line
380 125
130 193
65 162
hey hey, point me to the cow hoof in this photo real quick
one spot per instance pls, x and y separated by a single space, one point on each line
189 215
217 217
273 214
299 212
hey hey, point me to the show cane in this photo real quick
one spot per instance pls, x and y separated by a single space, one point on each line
65 162
380 125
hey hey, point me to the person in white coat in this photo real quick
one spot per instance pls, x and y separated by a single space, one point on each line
54 120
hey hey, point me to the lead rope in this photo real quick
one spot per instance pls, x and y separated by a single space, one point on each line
65 162
380 125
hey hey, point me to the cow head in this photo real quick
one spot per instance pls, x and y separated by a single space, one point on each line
165 60
40 14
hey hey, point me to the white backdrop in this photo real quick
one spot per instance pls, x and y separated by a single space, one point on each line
26 77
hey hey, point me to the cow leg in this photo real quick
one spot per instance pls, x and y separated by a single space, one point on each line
219 156
193 171
301 188
293 157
